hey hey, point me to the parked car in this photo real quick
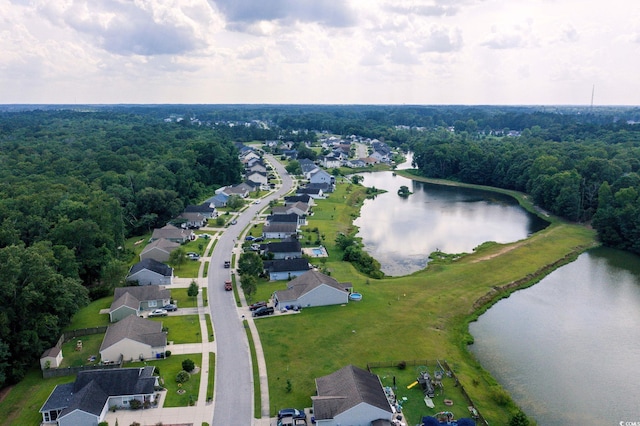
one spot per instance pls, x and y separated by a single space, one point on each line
256 202
227 264
228 286
291 412
158 313
233 222
292 421
257 305
265 310
170 307
193 256
258 239
249 238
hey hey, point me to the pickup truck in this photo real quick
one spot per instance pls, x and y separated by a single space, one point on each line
228 286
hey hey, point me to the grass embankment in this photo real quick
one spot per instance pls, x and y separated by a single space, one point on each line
421 316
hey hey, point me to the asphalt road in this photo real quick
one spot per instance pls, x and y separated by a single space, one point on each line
233 396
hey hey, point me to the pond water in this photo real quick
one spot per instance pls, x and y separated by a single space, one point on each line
401 233
568 348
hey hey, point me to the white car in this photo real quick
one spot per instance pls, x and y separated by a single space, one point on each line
256 202
158 313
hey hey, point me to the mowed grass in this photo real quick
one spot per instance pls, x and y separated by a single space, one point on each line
421 316
90 315
169 368
181 328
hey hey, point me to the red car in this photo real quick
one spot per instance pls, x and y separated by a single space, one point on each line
228 286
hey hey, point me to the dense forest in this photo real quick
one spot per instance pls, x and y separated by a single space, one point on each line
76 181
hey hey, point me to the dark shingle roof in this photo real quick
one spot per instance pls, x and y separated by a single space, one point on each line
286 265
281 227
284 247
346 388
283 218
152 265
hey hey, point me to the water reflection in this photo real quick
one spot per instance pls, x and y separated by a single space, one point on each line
567 348
401 232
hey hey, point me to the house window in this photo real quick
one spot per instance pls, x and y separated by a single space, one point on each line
153 303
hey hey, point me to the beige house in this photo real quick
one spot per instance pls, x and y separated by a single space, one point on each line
51 358
134 338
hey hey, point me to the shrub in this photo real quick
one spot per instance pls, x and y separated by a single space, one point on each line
500 396
182 377
103 424
134 404
167 354
188 365
402 365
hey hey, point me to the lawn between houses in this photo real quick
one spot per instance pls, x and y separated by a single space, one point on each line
424 315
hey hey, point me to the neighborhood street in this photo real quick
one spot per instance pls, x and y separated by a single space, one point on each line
233 395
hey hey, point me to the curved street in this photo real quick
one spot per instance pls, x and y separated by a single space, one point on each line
233 394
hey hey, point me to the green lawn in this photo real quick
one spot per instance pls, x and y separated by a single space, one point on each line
74 357
182 328
90 315
420 316
182 299
188 269
169 368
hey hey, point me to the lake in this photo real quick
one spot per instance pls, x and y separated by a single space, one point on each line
568 348
401 232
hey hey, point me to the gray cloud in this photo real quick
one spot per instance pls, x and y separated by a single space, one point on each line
125 28
504 41
442 40
240 14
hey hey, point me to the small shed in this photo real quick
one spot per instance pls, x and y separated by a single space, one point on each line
51 358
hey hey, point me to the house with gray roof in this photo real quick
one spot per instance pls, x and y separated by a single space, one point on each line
208 210
279 230
150 272
286 269
292 199
171 233
133 338
134 300
191 220
312 288
283 250
159 250
351 396
87 400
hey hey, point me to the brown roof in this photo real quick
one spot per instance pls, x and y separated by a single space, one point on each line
137 329
346 388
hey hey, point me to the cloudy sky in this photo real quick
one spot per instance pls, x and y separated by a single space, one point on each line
320 51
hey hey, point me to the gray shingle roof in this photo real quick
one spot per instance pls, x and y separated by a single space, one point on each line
346 388
137 329
142 293
152 265
307 282
286 265
284 247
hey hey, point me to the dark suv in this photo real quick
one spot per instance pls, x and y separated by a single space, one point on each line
265 310
257 305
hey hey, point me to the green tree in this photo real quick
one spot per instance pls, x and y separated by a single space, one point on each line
249 284
235 202
519 419
250 263
188 365
178 257
193 289
293 168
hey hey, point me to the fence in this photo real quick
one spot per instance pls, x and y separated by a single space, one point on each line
70 371
71 335
424 362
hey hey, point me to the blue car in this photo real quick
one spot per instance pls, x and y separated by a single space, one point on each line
291 412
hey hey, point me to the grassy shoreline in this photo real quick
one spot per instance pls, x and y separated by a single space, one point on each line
424 315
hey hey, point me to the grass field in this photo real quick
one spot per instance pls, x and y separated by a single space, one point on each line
421 316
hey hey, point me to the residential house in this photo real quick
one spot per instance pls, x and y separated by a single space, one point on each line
356 164
283 250
51 358
325 187
321 176
172 233
133 300
307 166
159 250
258 177
133 338
208 210
312 288
218 200
149 271
257 166
315 193
290 154
241 189
191 220
292 199
330 162
299 208
87 400
286 218
351 396
279 230
286 269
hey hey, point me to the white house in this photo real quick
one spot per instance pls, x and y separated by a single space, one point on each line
279 230
351 396
321 176
310 289
134 338
286 269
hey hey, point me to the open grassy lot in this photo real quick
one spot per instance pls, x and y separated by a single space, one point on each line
188 269
169 368
90 315
182 299
181 328
421 316
20 406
